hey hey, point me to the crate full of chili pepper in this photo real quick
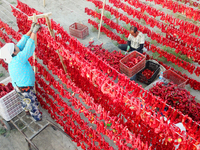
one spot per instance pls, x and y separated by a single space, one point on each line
132 63
149 73
10 105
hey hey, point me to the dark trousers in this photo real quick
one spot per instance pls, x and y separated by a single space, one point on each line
123 47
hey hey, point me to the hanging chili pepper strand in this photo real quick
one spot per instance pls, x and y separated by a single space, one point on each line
42 83
41 68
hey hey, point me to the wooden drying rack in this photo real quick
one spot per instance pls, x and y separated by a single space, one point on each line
46 16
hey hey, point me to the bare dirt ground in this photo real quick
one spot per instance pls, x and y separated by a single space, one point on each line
65 12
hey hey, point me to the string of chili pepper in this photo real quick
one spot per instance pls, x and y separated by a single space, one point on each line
189 12
77 117
191 3
154 36
74 67
190 40
88 114
172 38
45 75
184 25
42 69
78 65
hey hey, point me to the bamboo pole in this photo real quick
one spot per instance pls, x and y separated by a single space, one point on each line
102 12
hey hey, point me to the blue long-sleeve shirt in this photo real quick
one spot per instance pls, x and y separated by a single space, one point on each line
19 68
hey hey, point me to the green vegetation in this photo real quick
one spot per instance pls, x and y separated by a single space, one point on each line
154 42
115 43
157 56
2 131
1 74
2 40
13 2
97 10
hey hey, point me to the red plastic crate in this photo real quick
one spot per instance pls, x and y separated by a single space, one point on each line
174 77
78 30
135 69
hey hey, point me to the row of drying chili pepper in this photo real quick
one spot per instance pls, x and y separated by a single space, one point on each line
75 65
186 65
50 66
153 35
185 26
92 117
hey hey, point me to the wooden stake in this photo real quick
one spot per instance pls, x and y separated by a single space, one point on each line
34 18
34 56
102 12
44 3
53 35
40 16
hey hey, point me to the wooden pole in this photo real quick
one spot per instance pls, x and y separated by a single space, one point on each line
34 56
40 16
44 3
53 35
102 12
34 18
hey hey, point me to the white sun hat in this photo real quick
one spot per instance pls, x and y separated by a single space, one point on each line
6 52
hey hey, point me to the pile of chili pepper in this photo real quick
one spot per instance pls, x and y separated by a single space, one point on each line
111 58
5 89
147 73
132 61
178 98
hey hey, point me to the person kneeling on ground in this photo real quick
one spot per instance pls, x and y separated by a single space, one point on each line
21 72
135 41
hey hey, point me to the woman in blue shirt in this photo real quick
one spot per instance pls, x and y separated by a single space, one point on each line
21 72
